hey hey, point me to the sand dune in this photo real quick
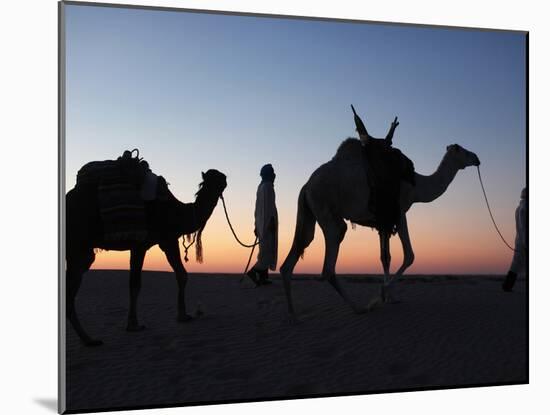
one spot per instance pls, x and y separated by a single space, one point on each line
447 331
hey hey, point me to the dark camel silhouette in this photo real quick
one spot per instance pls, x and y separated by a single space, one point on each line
167 220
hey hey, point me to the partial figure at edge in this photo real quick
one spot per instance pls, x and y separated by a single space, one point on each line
519 261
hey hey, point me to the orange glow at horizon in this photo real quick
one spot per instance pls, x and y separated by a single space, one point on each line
440 247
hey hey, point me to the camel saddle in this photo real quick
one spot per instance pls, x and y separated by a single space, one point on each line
121 185
386 167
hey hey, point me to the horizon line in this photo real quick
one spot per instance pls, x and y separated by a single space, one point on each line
278 274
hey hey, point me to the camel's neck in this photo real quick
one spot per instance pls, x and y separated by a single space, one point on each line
204 205
429 188
194 216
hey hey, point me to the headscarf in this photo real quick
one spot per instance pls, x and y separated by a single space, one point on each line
267 172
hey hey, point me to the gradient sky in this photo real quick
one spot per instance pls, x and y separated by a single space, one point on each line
197 91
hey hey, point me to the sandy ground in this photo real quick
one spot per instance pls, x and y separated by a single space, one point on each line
447 331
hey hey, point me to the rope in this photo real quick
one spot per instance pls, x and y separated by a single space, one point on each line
186 247
253 246
250 256
491 213
249 259
256 242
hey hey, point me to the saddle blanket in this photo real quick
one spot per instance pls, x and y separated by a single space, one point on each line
121 198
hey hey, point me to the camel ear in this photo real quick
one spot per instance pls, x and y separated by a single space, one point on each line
202 174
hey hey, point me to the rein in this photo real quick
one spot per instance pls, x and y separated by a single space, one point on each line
491 213
256 242
253 246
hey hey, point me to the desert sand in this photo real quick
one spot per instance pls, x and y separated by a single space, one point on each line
447 331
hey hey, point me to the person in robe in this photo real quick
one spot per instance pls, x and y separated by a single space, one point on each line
519 261
265 227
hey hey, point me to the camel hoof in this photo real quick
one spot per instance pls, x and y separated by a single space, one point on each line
185 318
93 342
135 327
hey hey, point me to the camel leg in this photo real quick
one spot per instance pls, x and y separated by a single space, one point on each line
286 282
334 231
408 253
385 258
172 251
385 255
408 259
136 264
288 267
75 268
303 235
286 273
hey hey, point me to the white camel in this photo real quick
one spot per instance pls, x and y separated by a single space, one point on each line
338 190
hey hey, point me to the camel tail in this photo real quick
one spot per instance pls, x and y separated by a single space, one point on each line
303 235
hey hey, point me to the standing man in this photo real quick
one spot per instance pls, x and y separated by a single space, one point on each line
265 227
519 262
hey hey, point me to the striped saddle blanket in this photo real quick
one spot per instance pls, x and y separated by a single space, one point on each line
121 206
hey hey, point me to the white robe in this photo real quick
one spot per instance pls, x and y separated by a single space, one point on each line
519 261
263 214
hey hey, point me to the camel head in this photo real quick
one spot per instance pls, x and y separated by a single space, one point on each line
214 181
462 157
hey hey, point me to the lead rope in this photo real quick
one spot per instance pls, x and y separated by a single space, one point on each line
253 246
256 242
491 213
249 259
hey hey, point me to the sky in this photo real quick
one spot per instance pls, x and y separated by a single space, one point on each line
196 91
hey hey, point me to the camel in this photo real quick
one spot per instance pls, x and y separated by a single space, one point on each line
338 191
167 220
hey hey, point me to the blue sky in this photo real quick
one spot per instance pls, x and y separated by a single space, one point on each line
196 91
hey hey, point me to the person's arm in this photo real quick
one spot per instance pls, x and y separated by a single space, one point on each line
269 209
259 212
